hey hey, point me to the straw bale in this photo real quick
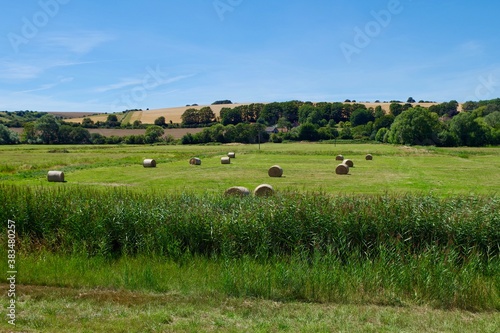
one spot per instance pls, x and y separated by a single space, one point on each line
263 190
348 162
275 171
238 191
149 163
342 169
55 176
195 161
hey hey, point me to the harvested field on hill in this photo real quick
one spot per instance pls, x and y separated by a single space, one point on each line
177 133
71 115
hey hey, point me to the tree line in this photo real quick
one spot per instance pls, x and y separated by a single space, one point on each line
406 123
48 129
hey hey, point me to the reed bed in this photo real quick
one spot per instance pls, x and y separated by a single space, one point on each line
310 246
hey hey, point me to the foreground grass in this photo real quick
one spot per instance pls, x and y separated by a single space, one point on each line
56 309
430 279
307 166
415 249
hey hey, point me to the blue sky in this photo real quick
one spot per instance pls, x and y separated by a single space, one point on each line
107 56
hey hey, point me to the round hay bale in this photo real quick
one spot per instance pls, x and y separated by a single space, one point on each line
238 191
195 161
149 163
369 157
339 158
225 160
231 155
348 162
275 171
342 169
55 176
263 190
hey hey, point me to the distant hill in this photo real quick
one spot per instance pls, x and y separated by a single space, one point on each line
174 113
71 115
149 116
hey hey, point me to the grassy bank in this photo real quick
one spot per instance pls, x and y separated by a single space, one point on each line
56 309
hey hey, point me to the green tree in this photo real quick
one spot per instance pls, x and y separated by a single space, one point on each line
190 117
47 128
346 133
64 134
112 121
29 132
384 121
217 133
468 130
230 133
252 112
73 135
290 111
206 115
160 121
153 133
493 119
284 123
308 132
415 126
379 112
230 116
410 100
327 133
361 117
7 136
88 123
381 133
272 112
396 109
338 112
306 113
96 138
449 109
80 135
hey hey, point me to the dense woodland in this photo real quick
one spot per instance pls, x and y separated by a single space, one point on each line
406 123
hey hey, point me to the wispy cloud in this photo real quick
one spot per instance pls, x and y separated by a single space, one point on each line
29 69
149 81
79 43
18 70
471 48
119 85
48 86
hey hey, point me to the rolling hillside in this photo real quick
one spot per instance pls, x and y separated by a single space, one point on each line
174 113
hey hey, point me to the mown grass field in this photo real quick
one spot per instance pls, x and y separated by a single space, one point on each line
407 242
307 167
